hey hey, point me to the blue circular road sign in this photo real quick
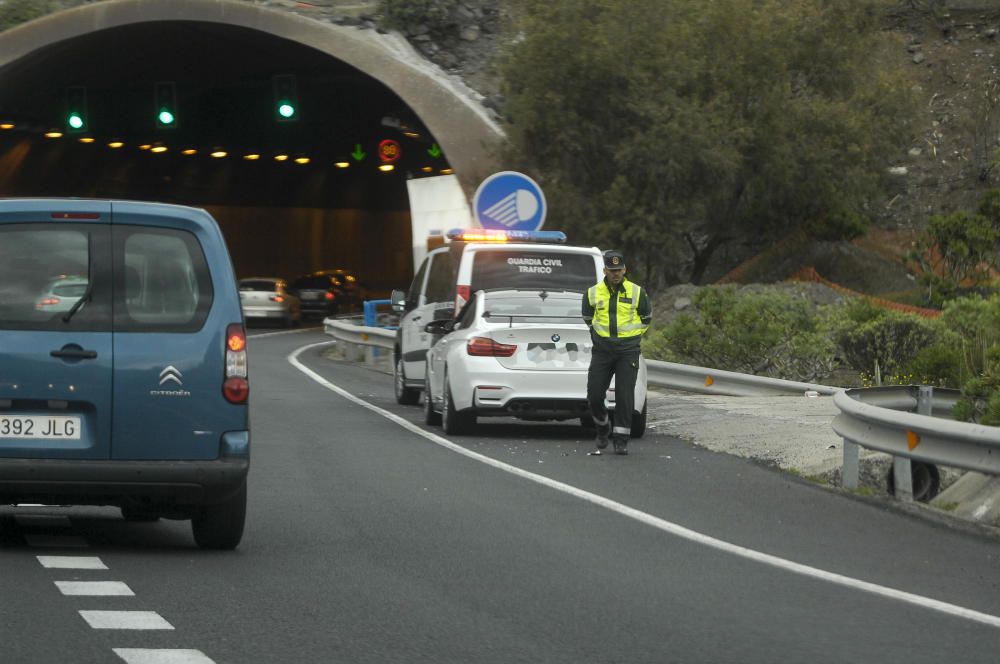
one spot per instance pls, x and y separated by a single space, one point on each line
511 201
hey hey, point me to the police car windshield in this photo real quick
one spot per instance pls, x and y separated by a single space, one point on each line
532 268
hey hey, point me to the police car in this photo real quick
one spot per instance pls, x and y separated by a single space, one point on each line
477 259
515 353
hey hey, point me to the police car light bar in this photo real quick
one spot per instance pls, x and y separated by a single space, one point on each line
499 235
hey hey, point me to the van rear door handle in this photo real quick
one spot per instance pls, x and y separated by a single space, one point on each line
74 353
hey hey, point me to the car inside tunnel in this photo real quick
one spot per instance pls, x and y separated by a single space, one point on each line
292 195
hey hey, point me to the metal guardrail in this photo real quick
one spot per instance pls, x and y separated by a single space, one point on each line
350 332
912 423
907 422
726 383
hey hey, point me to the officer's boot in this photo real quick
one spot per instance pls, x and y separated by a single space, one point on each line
603 431
621 445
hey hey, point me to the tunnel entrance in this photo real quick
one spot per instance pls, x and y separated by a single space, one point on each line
291 195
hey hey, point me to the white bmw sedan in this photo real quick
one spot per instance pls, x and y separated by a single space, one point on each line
515 353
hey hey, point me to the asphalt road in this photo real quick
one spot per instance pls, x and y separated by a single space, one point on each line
372 538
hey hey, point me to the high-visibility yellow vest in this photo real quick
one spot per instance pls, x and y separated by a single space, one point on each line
629 323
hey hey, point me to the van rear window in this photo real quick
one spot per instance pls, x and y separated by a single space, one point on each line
533 269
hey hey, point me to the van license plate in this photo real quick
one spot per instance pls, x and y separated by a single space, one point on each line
40 427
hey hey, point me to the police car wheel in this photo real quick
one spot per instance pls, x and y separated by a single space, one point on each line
406 396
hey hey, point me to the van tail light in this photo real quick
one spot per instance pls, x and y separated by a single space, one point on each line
486 347
236 387
329 295
277 298
462 294
47 302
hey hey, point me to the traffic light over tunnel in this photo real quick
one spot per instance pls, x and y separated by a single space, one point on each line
286 98
165 104
76 110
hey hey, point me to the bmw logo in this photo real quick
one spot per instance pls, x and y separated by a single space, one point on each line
556 337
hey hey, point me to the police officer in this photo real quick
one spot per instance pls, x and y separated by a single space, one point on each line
618 313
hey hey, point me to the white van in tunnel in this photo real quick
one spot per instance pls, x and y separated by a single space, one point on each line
480 259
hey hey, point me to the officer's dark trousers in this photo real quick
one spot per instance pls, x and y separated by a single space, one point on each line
608 360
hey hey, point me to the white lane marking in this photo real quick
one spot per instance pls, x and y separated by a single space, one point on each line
654 521
125 620
95 588
71 562
162 656
55 541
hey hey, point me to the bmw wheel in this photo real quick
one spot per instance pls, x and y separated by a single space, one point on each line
454 421
431 416
639 422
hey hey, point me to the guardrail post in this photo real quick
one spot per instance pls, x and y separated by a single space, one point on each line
849 473
902 479
925 400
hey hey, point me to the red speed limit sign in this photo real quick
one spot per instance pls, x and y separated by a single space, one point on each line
389 151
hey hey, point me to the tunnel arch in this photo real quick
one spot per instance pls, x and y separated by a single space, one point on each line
447 107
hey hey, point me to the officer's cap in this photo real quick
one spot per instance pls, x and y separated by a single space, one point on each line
614 260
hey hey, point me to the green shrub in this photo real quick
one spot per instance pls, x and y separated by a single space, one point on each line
881 342
762 333
938 364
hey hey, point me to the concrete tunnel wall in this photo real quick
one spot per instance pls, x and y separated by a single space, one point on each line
448 108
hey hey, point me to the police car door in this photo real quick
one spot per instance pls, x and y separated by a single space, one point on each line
437 302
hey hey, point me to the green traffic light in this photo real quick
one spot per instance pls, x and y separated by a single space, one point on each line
166 117
286 110
75 121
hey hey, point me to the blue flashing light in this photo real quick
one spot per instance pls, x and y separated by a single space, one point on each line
500 235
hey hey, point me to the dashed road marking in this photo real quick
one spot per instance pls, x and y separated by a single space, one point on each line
71 562
125 620
95 588
162 656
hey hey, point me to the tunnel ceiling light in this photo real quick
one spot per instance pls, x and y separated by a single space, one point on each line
7 125
145 146
87 139
189 151
447 171
114 145
411 134
302 160
281 157
253 156
158 149
53 133
342 164
385 168
427 169
219 154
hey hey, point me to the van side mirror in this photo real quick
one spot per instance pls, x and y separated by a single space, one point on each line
397 300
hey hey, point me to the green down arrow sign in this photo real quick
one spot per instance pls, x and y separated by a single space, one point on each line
358 153
434 151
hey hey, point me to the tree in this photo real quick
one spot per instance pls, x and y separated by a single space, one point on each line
669 128
954 250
